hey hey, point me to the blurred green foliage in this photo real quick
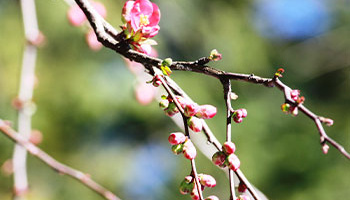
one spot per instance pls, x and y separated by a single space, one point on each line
92 122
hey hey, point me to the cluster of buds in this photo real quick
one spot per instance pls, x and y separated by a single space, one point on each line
182 144
239 114
193 111
141 18
188 186
226 157
287 108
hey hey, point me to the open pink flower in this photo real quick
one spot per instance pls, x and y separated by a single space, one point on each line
143 16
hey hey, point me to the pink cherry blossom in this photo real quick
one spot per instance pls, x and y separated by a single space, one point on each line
206 112
176 138
143 16
77 17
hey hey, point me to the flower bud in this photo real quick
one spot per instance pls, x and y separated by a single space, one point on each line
189 150
164 103
238 113
206 112
207 180
325 148
242 187
187 185
294 94
215 55
237 120
285 107
233 161
176 138
194 193
195 124
156 82
171 110
219 158
167 62
177 148
244 112
191 109
212 197
229 148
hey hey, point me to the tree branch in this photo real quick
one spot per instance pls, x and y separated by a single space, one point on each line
84 178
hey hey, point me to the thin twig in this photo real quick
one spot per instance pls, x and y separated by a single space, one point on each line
179 107
84 178
24 101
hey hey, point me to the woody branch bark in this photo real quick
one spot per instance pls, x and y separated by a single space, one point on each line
84 178
24 100
110 38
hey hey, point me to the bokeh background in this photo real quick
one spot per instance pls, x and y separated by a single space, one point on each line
90 119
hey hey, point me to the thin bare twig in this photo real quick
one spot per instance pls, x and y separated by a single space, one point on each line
84 178
24 101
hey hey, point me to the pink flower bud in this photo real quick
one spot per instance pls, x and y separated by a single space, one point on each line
206 112
212 197
325 148
164 103
238 113
329 122
294 94
176 138
195 124
237 120
229 147
234 162
242 187
171 110
244 112
156 82
191 109
207 180
189 150
215 55
219 158
194 193
187 185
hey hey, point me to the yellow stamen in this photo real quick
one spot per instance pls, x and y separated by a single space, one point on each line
144 20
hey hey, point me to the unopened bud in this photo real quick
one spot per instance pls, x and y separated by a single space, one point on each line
195 124
219 158
242 187
207 180
215 55
229 147
325 148
206 112
189 150
176 138
234 162
191 109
